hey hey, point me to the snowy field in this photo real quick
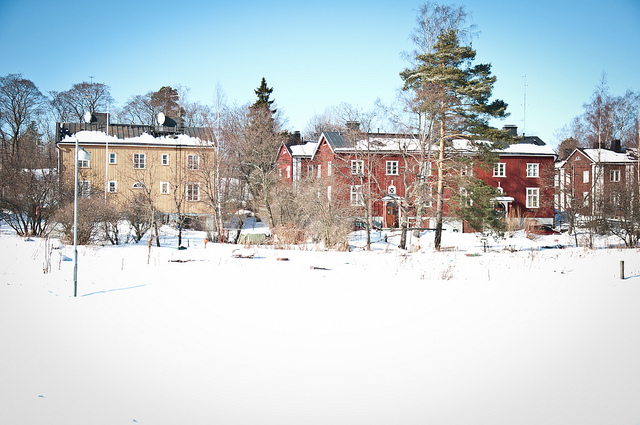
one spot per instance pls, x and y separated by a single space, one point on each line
516 335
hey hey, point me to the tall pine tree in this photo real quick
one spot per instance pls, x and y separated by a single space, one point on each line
263 92
454 95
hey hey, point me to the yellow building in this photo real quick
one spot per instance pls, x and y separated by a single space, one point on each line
165 165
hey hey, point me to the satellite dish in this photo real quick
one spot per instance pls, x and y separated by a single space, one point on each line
161 118
87 117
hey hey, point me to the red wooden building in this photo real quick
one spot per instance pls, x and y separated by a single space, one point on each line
381 169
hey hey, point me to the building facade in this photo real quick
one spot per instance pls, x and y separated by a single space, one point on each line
128 162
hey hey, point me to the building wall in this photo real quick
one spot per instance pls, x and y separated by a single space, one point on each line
175 173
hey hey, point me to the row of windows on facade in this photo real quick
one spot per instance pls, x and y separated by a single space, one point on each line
192 190
140 161
614 176
357 196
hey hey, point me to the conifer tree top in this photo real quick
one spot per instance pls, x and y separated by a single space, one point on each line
263 92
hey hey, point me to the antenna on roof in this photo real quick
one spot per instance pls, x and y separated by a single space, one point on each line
524 108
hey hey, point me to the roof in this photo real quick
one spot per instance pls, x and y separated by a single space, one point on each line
128 133
101 138
306 149
605 155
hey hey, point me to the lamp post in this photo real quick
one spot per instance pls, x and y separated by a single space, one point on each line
81 155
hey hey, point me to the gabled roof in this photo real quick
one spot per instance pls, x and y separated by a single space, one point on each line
605 155
305 150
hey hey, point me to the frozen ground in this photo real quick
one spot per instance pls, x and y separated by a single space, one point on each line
197 336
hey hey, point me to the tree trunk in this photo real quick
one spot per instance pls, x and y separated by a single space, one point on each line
440 194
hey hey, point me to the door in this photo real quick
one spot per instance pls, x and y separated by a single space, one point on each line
391 218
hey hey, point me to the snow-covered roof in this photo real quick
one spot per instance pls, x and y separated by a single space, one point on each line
384 144
100 138
308 149
606 155
511 149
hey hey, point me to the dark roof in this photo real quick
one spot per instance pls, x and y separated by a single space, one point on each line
124 131
532 140
335 140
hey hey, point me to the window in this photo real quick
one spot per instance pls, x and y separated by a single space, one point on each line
193 162
84 188
500 170
356 195
392 168
391 190
329 193
585 197
193 191
288 171
138 185
425 169
329 169
309 170
164 187
533 197
139 160
614 175
83 163
357 167
585 176
165 159
112 158
319 170
533 170
112 187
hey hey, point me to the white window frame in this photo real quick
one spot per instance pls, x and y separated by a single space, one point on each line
426 169
112 186
392 190
328 168
533 169
329 193
165 159
113 158
193 162
614 175
139 161
165 187
84 163
357 167
533 197
500 169
585 176
137 185
309 170
288 171
319 170
192 192
84 188
356 195
392 168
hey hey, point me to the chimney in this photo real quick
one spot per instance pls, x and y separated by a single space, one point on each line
616 145
512 130
353 125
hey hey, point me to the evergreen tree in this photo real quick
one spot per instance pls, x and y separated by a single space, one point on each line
263 92
454 95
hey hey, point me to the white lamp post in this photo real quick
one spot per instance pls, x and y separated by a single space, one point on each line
81 155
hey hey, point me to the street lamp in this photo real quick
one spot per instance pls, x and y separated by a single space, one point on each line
81 155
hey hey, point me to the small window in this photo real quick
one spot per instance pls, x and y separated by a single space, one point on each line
319 170
615 175
392 168
164 187
193 191
329 193
329 169
585 176
139 160
138 185
500 170
288 171
533 170
357 167
112 158
356 195
533 197
84 188
425 169
165 159
391 190
83 163
193 162
112 186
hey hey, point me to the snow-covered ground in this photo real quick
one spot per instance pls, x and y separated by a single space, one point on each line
515 335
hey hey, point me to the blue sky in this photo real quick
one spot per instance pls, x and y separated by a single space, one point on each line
317 55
